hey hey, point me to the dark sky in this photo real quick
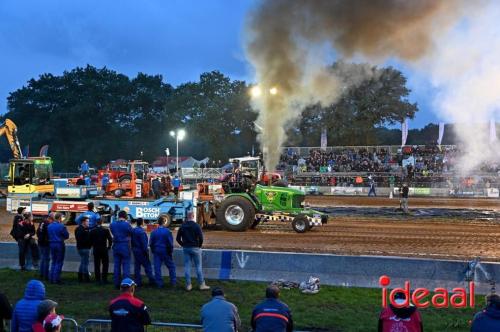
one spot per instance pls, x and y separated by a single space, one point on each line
176 38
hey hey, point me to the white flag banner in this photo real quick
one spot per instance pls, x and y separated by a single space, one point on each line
323 139
493 131
441 133
404 131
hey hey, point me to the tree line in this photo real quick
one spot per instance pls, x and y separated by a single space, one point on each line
99 115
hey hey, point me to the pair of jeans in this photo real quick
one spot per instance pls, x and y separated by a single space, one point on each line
57 253
160 258
44 261
192 254
84 261
30 248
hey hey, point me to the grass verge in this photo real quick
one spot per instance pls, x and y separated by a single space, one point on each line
332 309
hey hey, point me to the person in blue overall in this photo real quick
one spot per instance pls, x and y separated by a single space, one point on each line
57 235
91 215
141 254
122 231
176 183
162 246
84 168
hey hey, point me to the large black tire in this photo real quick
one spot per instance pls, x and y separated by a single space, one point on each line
236 213
118 192
168 219
125 178
300 224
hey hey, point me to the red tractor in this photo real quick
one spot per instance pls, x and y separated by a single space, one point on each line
129 179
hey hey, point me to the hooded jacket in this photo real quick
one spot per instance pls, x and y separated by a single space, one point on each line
25 311
487 320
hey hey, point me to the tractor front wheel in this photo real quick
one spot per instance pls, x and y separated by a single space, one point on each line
236 213
300 224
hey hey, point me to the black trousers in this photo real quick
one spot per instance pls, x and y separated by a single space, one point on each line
23 245
101 264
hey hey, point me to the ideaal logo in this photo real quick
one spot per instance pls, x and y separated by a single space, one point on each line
420 296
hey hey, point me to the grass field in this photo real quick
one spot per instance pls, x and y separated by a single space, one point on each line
332 309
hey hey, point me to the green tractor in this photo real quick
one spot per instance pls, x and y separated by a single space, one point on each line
240 211
252 196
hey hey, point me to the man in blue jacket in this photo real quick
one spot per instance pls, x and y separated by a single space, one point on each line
220 315
272 315
162 246
25 312
57 235
122 231
91 214
489 318
141 254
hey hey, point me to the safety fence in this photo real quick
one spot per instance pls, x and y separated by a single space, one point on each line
104 325
393 149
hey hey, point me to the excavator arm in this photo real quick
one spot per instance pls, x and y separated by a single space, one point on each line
9 129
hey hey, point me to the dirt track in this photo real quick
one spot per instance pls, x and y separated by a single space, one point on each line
375 234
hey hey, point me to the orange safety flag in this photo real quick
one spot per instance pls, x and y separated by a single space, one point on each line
358 180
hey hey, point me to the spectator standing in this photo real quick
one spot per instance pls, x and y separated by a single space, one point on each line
5 310
92 216
162 246
43 244
101 241
17 234
141 253
156 186
58 233
45 308
104 181
84 168
272 315
400 319
488 319
190 238
372 186
25 310
83 245
176 184
404 191
122 231
128 313
28 231
220 315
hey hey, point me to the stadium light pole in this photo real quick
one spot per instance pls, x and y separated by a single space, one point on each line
179 136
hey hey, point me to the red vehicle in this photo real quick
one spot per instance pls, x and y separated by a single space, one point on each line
127 178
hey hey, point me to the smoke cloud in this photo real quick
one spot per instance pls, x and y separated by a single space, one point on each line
288 43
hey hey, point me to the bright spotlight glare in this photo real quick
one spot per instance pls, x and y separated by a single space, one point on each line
181 133
255 91
172 133
273 90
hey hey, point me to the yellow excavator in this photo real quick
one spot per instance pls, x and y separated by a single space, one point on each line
28 176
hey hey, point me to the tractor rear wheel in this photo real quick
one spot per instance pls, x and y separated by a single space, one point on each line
168 219
300 224
236 213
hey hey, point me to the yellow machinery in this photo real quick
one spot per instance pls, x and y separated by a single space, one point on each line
27 176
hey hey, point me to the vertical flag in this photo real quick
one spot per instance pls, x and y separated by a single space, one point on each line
44 150
404 131
441 133
493 131
323 139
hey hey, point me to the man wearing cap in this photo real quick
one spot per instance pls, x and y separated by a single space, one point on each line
45 308
101 241
127 312
272 314
122 231
25 311
91 215
58 233
220 315
488 319
162 246
44 245
141 254
406 318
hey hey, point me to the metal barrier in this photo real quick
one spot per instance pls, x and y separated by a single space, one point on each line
69 324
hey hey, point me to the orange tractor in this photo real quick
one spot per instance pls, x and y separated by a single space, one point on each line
128 179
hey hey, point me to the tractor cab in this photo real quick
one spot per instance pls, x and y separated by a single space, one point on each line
254 166
31 176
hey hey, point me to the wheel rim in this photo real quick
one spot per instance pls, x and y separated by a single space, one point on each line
234 215
300 225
